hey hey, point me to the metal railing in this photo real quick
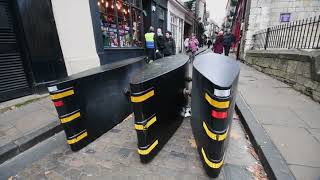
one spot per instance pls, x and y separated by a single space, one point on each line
303 34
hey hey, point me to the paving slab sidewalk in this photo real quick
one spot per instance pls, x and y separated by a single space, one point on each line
24 122
291 120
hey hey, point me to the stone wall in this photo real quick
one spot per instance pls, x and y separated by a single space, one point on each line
299 69
266 13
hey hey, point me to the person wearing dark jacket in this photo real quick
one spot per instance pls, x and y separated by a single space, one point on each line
228 39
209 43
169 45
160 43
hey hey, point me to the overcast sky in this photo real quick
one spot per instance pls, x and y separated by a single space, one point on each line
217 9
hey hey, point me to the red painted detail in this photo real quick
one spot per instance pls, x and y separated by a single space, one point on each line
58 103
219 115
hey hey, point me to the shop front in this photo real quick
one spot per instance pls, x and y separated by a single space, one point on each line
45 40
121 23
98 32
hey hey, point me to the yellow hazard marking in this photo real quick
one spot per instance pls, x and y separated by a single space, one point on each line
149 149
62 95
216 137
70 118
149 123
137 99
217 104
78 138
209 163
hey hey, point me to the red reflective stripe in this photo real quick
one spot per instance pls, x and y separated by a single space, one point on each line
219 115
58 103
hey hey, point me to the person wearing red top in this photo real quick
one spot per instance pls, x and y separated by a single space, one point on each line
218 45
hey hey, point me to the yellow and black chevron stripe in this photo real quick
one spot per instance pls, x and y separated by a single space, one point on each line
62 93
141 97
212 164
216 103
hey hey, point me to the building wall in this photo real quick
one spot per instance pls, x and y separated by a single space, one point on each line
39 39
299 9
153 19
201 10
75 29
173 9
176 10
266 13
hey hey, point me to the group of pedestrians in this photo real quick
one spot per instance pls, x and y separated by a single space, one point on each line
159 45
223 43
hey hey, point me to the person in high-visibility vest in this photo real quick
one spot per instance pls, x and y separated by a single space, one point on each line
151 45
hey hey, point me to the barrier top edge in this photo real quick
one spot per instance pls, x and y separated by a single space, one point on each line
98 70
219 69
159 67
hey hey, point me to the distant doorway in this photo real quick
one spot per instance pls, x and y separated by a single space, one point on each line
187 30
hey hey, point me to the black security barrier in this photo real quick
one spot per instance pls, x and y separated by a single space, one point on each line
92 102
214 86
157 98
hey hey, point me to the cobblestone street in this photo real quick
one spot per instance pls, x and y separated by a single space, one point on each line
113 156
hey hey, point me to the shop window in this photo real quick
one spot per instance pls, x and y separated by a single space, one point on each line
120 23
176 27
137 27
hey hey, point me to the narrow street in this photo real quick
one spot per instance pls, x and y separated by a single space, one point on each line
113 156
91 89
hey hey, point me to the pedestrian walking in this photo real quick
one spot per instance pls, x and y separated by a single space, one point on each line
228 39
193 46
218 45
169 45
160 43
186 45
151 45
209 43
200 40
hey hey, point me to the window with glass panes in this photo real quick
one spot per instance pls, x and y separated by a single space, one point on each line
176 29
121 23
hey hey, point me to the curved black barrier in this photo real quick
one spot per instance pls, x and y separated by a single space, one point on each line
92 102
214 86
157 98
